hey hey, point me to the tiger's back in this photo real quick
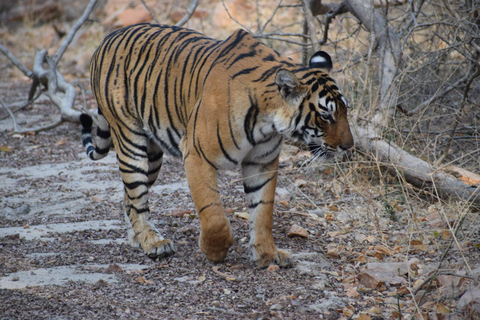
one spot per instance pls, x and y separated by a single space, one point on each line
153 75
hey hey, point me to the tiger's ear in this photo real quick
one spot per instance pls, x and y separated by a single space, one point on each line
321 60
289 86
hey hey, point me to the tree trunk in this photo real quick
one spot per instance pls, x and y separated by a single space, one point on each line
389 48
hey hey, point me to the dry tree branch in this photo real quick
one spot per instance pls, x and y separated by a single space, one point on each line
233 19
150 11
457 115
284 40
271 16
190 10
389 46
10 113
414 170
341 8
225 276
74 30
20 105
60 92
312 29
440 94
280 34
15 61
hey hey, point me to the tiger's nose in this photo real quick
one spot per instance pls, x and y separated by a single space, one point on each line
347 141
347 145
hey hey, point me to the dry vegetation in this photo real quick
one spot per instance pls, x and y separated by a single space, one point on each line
368 214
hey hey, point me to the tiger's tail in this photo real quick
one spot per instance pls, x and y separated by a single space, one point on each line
103 139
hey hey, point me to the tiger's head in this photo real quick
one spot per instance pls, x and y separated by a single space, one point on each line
314 111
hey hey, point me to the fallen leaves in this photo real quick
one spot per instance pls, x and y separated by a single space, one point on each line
297 231
470 300
242 215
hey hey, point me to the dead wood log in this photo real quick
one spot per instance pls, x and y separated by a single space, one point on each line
444 182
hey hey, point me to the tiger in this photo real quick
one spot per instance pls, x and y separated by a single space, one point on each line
217 105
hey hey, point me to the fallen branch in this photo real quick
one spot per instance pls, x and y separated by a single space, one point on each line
414 170
10 113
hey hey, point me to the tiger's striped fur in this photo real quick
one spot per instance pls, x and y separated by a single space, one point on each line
217 104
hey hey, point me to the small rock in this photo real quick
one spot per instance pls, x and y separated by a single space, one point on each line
24 209
276 306
352 292
297 231
318 212
114 268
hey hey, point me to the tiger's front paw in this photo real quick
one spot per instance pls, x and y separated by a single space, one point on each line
160 249
279 257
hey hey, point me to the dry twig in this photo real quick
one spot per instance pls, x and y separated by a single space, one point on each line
225 276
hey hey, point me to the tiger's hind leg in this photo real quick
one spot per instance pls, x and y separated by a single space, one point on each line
140 160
